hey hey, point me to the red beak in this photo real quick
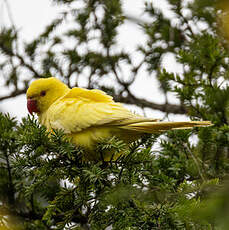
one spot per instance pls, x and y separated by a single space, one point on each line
32 106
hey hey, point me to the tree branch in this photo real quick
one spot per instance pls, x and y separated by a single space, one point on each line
169 108
11 191
12 54
13 94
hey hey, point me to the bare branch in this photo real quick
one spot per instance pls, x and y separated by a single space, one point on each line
13 94
168 108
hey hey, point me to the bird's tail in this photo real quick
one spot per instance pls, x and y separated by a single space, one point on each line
151 127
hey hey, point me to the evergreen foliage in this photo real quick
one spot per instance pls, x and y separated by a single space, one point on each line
161 181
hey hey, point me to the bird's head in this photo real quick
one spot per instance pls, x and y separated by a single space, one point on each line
43 92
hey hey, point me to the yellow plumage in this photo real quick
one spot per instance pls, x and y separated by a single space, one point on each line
89 116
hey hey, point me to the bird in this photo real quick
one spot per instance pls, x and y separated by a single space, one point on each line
91 116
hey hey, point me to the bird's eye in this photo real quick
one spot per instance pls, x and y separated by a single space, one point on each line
42 93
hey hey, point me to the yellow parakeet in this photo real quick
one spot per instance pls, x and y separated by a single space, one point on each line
89 116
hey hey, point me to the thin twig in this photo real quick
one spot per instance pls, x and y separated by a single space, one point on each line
195 161
10 14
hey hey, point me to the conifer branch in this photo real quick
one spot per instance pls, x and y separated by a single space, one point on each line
11 189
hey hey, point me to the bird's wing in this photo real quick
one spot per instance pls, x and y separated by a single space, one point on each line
80 109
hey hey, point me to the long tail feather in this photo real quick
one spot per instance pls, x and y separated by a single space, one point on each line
151 127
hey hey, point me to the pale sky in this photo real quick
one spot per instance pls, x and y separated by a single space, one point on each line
31 17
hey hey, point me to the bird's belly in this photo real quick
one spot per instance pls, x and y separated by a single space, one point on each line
88 140
89 137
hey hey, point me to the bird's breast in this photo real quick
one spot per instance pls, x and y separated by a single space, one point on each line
44 120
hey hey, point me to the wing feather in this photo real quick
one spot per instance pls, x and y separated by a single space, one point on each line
80 109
